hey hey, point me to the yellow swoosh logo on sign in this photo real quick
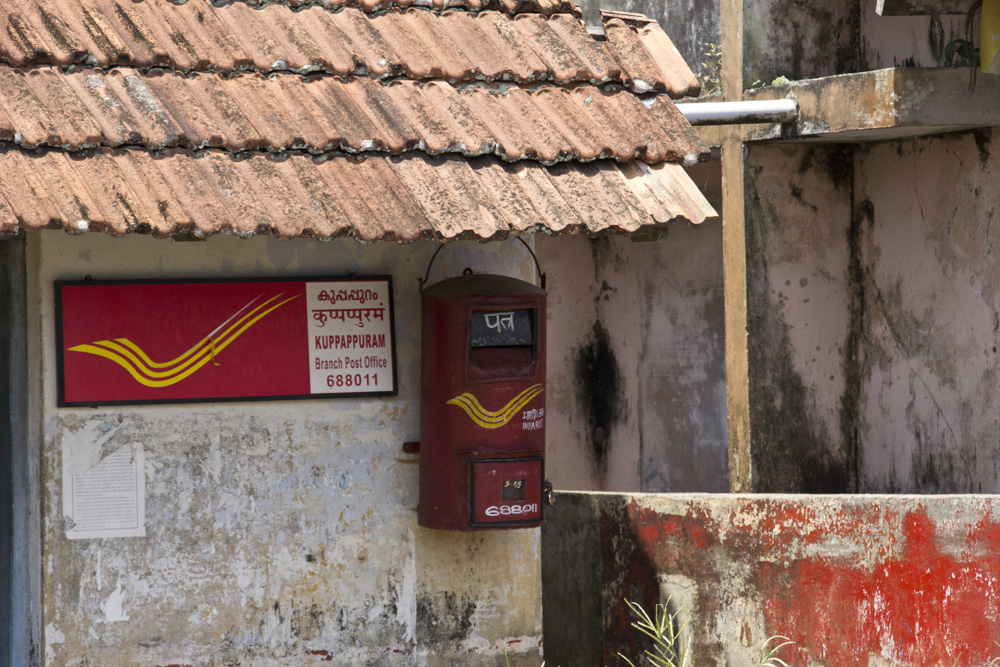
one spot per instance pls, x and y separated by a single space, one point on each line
501 417
133 359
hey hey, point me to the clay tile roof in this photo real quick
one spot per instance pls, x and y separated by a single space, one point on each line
649 59
545 7
420 44
371 198
378 121
88 108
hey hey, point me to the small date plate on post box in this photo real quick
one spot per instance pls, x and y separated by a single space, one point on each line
506 492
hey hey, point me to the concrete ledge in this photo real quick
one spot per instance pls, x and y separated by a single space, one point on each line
851 580
883 104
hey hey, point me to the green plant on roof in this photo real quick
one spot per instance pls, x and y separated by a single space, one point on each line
711 68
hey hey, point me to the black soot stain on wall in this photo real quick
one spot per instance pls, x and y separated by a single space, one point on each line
983 137
444 617
597 383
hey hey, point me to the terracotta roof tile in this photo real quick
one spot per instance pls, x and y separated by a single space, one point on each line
373 199
458 46
679 80
602 64
545 7
522 63
247 112
650 61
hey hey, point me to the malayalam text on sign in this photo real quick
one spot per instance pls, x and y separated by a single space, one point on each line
349 338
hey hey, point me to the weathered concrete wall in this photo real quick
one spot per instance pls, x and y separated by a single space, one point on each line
873 316
12 415
276 532
802 315
798 39
19 618
929 395
864 580
682 367
636 360
906 41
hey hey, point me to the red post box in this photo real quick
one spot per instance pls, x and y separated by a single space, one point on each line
482 413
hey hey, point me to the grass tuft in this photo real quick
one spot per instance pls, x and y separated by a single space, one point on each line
769 654
663 629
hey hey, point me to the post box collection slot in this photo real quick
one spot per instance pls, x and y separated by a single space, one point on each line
502 343
502 328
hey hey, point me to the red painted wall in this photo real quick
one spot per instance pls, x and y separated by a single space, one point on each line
851 580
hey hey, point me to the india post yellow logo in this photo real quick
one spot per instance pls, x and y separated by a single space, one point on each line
151 373
501 417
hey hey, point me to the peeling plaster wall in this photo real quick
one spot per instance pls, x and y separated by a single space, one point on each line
276 532
930 404
636 361
893 581
801 314
799 39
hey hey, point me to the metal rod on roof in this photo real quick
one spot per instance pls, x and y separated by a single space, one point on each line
734 113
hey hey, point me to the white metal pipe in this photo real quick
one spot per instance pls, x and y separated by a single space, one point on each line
734 113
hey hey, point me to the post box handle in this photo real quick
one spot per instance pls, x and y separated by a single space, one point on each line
538 267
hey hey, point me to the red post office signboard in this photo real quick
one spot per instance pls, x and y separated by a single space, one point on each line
131 342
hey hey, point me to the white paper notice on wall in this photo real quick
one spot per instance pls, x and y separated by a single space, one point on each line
108 499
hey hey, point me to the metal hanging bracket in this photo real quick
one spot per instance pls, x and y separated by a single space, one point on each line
468 271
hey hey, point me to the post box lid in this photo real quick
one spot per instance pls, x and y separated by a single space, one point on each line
484 284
